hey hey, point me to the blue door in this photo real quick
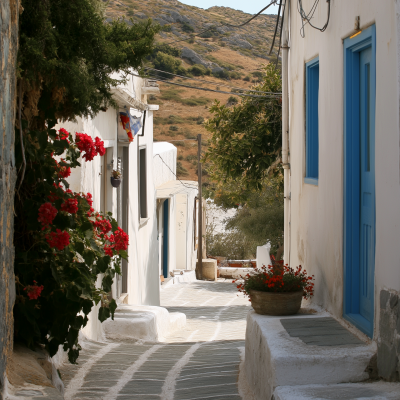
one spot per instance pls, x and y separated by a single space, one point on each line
359 180
367 195
165 239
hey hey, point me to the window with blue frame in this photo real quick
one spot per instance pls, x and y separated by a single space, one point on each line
312 89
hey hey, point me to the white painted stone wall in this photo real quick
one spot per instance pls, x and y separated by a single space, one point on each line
316 240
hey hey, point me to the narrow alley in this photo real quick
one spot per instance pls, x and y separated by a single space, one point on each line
200 362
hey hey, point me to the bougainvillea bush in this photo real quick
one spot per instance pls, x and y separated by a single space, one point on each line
279 279
62 245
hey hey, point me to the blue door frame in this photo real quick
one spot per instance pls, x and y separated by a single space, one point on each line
359 179
165 238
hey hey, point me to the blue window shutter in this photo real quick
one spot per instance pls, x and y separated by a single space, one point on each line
312 151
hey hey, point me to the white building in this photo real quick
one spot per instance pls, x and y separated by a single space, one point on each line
342 176
176 212
133 204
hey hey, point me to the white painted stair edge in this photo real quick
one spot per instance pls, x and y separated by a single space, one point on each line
149 323
273 358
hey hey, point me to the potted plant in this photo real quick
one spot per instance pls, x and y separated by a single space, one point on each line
116 178
277 289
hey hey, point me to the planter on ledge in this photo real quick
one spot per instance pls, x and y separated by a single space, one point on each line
115 182
273 303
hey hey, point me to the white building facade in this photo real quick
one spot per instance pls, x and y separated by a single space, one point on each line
133 203
176 211
342 173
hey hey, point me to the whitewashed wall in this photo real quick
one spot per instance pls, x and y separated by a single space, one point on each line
316 239
143 277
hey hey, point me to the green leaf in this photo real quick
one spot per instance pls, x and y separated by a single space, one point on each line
123 254
79 247
114 225
102 265
88 255
107 283
113 307
104 313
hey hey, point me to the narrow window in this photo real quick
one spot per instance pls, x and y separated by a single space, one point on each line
312 89
142 183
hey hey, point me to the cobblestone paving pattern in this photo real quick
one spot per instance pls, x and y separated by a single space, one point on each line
198 362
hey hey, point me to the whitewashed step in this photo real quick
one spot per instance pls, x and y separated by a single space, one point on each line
313 349
344 391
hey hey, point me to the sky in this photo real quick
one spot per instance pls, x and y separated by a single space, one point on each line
251 7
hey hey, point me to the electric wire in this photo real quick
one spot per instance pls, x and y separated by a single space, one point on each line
204 81
280 34
270 95
227 24
276 28
190 187
309 16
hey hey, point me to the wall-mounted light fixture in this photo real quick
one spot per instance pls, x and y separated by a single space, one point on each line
356 27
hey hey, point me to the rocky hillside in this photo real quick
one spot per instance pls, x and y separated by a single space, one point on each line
197 43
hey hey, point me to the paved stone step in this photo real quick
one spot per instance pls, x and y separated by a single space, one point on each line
348 391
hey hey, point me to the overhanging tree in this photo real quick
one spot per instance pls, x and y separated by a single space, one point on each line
66 60
244 164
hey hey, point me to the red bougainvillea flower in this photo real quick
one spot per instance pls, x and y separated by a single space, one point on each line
108 250
46 215
58 239
63 171
33 291
89 198
85 144
99 146
63 134
121 240
70 206
102 225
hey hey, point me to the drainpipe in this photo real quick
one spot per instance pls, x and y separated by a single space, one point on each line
285 132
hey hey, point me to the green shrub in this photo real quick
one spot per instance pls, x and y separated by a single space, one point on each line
195 101
166 62
181 170
233 100
191 157
180 144
173 128
188 134
180 157
199 70
186 27
247 78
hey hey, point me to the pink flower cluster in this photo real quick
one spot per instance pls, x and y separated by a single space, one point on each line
58 239
85 144
33 291
46 215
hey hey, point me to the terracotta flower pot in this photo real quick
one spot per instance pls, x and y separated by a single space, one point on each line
269 303
115 182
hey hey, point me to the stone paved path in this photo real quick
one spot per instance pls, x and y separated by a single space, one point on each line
199 362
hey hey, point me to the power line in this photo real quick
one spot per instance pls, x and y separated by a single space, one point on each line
309 16
251 19
204 81
227 24
269 96
276 28
190 187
